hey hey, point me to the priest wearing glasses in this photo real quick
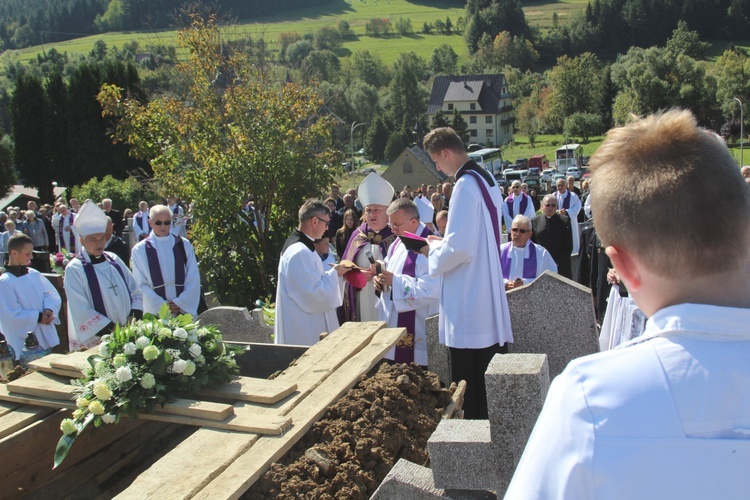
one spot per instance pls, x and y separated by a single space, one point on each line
165 267
521 260
100 289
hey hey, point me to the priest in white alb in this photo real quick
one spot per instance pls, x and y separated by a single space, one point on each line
520 259
369 240
408 293
569 203
28 301
165 268
517 203
307 293
100 289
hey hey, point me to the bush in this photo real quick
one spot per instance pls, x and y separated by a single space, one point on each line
123 193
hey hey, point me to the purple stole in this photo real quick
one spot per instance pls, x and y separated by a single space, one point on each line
72 236
529 265
566 200
510 201
487 201
407 319
180 261
93 281
139 219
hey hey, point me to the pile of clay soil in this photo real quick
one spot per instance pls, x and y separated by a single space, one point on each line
390 414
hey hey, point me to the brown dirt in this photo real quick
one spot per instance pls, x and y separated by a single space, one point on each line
389 415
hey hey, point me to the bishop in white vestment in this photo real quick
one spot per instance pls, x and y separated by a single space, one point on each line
100 289
165 268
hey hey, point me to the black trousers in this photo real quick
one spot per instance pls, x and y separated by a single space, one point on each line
470 365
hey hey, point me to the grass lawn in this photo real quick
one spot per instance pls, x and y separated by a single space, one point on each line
356 12
545 145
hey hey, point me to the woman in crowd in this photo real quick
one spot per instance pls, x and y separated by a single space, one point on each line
345 231
36 230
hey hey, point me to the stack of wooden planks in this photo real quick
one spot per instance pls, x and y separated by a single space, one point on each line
243 426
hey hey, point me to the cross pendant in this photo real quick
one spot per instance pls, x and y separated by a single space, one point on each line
113 287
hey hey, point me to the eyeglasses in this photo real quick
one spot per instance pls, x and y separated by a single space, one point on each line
399 226
517 230
327 222
550 205
161 222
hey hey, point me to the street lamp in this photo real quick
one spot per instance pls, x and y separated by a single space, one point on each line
742 132
351 140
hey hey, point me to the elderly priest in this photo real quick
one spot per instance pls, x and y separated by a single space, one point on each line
521 260
100 288
307 294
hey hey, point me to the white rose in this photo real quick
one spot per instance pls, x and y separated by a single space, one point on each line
102 392
104 350
108 418
164 332
129 349
195 350
142 341
124 374
179 366
189 368
180 333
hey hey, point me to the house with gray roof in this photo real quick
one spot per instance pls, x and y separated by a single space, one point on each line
413 167
483 101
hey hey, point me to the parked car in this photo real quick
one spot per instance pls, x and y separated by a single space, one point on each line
369 171
548 175
361 151
558 176
575 172
522 163
474 147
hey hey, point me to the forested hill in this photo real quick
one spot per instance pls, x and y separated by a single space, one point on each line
32 22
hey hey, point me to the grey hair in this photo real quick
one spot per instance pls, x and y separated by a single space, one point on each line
158 209
522 219
549 197
312 208
408 206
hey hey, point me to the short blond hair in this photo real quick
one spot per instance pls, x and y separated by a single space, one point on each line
669 192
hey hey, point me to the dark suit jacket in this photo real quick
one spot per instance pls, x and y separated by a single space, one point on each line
116 217
593 264
555 235
119 247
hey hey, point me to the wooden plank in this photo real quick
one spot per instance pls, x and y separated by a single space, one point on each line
218 450
247 468
245 421
20 418
198 409
7 407
457 400
43 385
43 365
256 390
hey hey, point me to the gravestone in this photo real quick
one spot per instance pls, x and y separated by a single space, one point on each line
438 355
238 324
412 481
555 316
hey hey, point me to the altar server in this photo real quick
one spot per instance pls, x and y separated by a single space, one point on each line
408 293
28 301
372 236
522 261
165 268
307 293
100 288
474 318
665 415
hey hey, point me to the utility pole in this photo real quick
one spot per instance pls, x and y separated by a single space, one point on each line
742 133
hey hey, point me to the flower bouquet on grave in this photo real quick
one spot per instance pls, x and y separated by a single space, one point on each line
60 261
143 365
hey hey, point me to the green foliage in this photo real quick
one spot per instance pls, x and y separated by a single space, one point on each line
439 119
577 85
583 125
499 16
328 38
320 65
407 97
218 145
7 173
686 42
460 126
298 51
376 139
344 29
395 145
378 27
124 194
370 68
444 60
403 26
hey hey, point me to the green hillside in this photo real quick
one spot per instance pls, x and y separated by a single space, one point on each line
356 12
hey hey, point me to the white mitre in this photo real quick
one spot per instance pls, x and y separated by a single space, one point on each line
375 190
426 210
90 220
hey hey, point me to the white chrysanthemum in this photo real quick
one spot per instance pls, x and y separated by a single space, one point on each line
148 381
123 374
102 391
164 333
108 418
141 342
119 360
104 350
82 402
180 333
96 408
189 368
130 349
151 352
68 427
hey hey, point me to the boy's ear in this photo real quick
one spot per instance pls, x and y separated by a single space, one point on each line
627 267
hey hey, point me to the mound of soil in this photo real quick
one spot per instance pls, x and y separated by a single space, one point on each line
389 415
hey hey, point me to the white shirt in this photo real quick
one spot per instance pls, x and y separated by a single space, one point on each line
307 296
575 207
473 306
516 255
665 416
420 294
189 298
508 217
366 299
21 300
84 322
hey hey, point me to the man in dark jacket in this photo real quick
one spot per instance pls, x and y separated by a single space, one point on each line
552 231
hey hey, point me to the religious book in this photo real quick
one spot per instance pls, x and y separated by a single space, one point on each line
412 241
